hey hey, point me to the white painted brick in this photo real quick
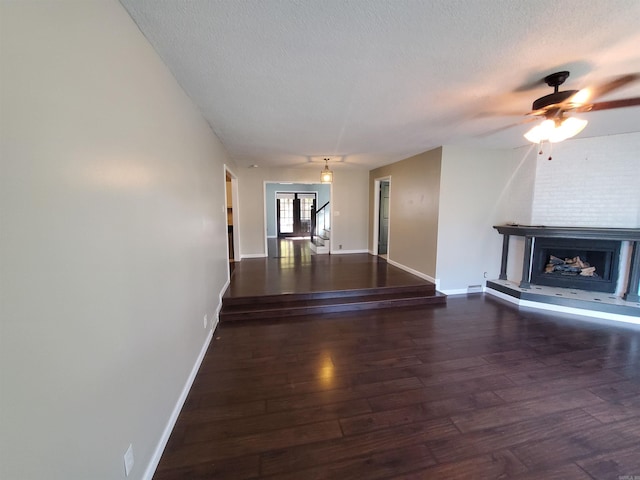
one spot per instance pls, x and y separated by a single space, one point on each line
591 182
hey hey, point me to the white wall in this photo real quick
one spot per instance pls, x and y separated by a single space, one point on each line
349 198
591 182
113 243
478 189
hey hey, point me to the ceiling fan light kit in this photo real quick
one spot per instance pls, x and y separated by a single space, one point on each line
556 131
326 176
557 127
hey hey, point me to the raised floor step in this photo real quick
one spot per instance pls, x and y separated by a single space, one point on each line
419 289
313 303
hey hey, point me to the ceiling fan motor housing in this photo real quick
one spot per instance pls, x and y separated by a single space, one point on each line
552 99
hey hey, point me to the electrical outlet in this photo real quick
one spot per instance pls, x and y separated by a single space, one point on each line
128 460
206 321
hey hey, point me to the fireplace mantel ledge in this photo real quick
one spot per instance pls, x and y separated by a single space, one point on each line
629 234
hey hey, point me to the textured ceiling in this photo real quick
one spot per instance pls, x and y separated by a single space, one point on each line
369 82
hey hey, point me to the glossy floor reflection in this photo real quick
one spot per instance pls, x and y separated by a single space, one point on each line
478 389
295 269
288 249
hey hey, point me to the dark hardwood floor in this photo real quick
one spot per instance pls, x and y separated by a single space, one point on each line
296 270
473 389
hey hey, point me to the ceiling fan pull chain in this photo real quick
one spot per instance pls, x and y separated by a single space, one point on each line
541 151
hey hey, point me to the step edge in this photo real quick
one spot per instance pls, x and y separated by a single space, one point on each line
272 298
333 308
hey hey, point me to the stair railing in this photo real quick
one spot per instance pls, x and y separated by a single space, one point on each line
320 220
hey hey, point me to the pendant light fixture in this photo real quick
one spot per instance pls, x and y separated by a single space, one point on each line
326 176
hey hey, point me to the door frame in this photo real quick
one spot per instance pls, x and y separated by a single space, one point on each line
235 213
376 214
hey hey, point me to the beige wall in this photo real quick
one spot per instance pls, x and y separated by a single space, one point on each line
113 243
348 205
413 205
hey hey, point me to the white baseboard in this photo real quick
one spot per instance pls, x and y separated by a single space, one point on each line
157 454
455 291
460 291
166 433
342 252
252 255
416 273
219 307
562 309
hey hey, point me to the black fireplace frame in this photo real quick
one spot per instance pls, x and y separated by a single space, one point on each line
530 233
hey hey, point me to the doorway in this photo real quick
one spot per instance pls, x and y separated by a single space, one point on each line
274 228
383 222
293 210
381 216
231 204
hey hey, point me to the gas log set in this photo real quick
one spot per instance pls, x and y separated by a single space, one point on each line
570 266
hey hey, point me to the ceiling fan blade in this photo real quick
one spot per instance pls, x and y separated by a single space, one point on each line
611 104
507 127
610 86
505 113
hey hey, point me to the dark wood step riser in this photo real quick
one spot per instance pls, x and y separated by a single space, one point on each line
335 308
295 303
417 290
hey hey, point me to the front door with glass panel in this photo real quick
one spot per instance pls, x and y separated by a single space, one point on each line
293 211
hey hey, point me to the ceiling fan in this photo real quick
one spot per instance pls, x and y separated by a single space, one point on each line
556 107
